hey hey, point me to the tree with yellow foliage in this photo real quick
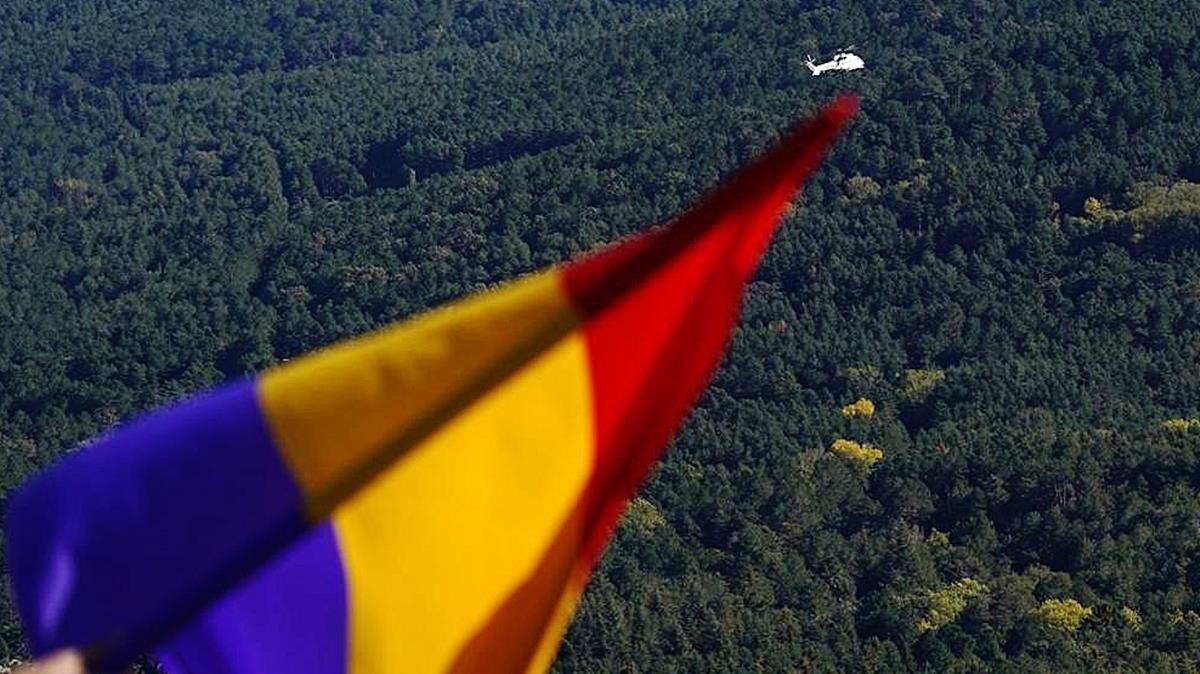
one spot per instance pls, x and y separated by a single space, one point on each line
1062 614
1181 425
643 516
919 383
1131 618
859 408
860 452
945 603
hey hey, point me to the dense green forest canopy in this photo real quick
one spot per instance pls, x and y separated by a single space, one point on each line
1001 257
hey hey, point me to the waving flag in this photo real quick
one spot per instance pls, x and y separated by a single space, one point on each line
431 497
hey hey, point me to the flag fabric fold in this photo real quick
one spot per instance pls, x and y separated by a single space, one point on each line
431 497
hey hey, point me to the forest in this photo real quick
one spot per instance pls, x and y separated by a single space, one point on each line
959 426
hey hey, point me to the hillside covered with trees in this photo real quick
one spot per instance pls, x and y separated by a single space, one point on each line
959 427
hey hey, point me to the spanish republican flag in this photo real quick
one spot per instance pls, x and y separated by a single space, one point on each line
431 497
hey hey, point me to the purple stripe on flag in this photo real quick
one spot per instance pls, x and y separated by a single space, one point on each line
290 617
129 534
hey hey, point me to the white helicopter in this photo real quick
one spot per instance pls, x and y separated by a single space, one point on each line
843 60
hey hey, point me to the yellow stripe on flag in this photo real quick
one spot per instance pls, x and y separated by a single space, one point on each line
438 543
344 414
564 610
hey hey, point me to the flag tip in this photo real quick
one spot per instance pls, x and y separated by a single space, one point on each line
842 108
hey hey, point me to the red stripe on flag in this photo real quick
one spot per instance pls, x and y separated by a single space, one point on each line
659 309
